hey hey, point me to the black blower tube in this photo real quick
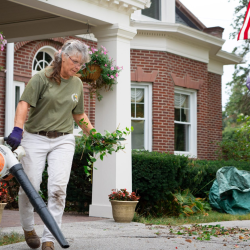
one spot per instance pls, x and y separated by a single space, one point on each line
38 204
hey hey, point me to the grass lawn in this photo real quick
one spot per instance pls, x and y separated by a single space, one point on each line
211 216
10 238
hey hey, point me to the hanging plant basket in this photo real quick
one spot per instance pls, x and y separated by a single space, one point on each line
91 73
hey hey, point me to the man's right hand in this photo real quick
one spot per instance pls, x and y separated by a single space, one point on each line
14 139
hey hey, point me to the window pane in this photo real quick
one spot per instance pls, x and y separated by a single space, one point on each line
137 95
177 115
154 10
139 110
132 110
138 135
181 137
48 58
17 95
185 101
185 115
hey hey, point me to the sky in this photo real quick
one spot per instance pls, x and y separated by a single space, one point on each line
218 13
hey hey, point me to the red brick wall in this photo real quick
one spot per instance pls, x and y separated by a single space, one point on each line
163 99
214 112
23 59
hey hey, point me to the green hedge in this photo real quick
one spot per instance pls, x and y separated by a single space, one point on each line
156 174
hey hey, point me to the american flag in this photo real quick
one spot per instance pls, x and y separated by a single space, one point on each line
245 30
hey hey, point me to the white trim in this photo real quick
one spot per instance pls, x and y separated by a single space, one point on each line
215 67
193 120
22 86
148 114
48 49
9 106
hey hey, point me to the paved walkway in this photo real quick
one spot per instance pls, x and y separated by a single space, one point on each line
11 218
105 234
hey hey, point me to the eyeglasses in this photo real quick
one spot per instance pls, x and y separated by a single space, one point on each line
79 65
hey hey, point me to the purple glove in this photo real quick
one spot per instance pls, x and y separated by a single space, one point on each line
248 82
14 139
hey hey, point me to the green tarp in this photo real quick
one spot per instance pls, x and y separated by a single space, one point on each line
230 192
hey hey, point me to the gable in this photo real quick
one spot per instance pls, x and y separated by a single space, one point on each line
186 17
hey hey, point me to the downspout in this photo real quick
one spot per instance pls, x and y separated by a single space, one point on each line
9 90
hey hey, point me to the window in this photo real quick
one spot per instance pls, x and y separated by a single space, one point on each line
141 116
185 122
18 90
43 58
154 11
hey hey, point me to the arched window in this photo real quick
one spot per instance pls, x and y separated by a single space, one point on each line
43 58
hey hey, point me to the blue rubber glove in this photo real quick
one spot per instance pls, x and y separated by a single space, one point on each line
248 82
14 139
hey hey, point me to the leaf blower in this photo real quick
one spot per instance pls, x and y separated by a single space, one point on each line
10 166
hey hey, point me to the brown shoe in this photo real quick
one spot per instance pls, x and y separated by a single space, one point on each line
48 245
32 239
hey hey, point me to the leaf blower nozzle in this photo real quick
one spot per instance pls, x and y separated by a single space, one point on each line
9 164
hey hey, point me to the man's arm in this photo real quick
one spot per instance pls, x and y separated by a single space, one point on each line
21 114
85 124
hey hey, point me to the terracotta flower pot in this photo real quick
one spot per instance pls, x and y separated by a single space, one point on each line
91 77
2 205
123 211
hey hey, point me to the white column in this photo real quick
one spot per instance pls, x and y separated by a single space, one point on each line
9 102
115 171
168 11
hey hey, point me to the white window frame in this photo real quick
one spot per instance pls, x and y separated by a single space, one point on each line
21 85
193 122
48 49
147 113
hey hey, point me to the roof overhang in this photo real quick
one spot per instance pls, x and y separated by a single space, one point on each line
189 35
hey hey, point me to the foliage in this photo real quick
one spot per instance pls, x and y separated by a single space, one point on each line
154 176
109 72
186 204
3 43
10 238
123 195
238 147
239 101
4 193
100 145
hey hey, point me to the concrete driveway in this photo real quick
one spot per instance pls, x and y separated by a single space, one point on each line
105 234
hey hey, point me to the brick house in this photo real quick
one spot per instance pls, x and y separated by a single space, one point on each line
176 64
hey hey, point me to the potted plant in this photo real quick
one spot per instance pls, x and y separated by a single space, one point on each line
100 72
4 197
123 205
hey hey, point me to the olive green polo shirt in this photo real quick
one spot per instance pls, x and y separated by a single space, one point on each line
51 104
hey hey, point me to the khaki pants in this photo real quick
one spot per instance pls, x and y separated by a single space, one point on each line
59 153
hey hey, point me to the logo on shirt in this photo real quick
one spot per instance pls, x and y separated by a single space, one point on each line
75 97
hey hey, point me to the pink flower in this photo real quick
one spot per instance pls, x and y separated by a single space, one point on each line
112 76
90 52
105 65
117 76
107 74
117 67
112 68
104 52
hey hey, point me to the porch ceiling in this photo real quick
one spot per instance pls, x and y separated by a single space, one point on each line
20 23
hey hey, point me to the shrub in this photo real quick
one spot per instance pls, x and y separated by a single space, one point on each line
238 147
154 176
